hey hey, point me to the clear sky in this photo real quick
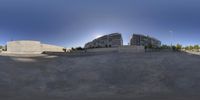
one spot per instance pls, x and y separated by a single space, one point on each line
72 23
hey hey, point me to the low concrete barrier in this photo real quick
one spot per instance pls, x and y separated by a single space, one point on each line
51 48
131 49
119 49
102 50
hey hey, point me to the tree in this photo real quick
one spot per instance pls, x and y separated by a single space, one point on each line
174 48
178 47
191 47
187 48
196 48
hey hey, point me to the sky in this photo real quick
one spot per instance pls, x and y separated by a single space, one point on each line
72 23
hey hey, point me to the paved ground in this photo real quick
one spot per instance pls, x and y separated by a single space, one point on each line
98 76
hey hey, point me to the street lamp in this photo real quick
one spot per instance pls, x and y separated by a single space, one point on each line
171 36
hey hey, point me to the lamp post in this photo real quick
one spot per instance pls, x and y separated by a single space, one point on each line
171 36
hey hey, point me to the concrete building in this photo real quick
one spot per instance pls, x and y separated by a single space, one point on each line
111 40
31 47
142 40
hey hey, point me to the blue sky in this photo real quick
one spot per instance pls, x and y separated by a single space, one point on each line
72 23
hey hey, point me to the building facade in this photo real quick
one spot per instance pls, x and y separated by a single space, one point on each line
111 40
142 40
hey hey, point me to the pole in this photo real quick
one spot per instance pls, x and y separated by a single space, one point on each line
171 35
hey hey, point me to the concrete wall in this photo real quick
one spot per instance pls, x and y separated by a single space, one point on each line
31 47
21 47
51 48
102 50
130 49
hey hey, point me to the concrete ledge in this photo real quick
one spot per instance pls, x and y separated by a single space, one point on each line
131 49
6 52
119 49
102 50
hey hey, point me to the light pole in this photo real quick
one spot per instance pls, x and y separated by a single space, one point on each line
171 36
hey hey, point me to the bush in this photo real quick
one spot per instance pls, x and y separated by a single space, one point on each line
77 49
165 47
150 46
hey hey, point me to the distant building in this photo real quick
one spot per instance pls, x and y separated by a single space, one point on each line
111 40
142 40
31 47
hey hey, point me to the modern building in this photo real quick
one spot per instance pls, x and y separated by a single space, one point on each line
143 40
111 40
31 47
